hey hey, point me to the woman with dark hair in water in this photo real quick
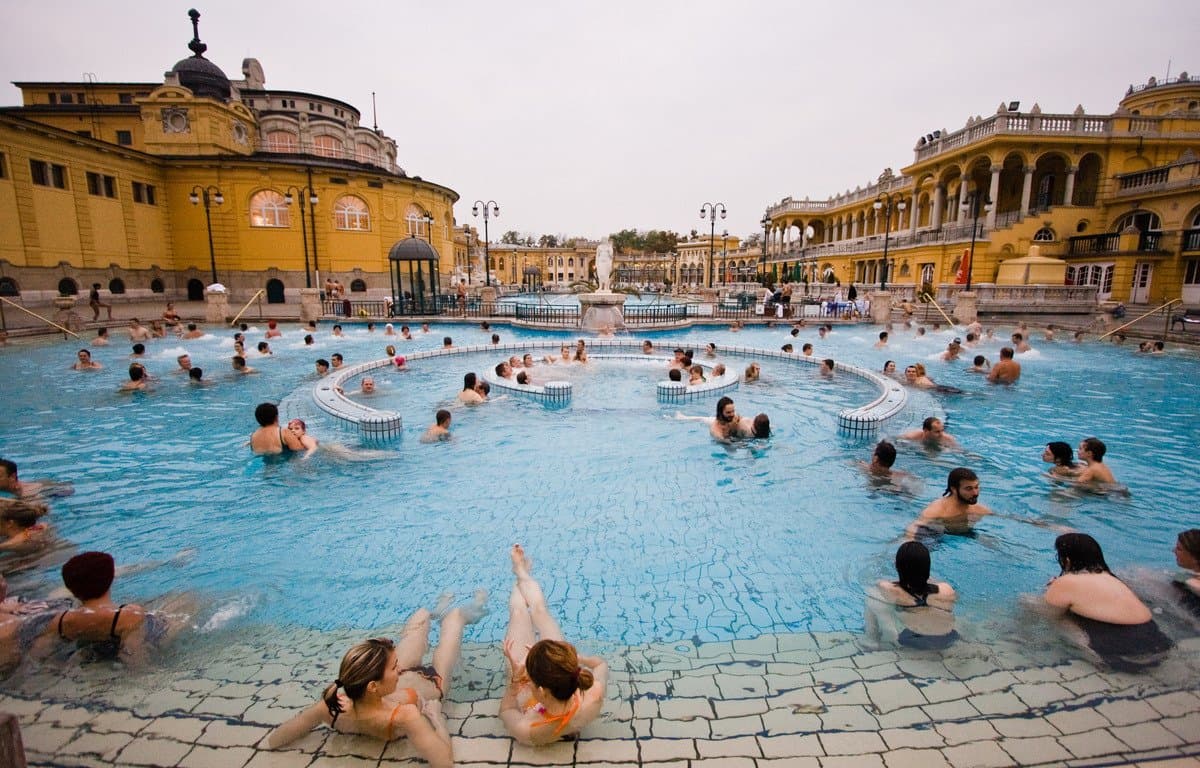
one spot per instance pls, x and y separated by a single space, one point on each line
1187 555
1062 457
916 612
1116 625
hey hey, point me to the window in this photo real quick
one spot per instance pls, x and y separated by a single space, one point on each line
2 171
365 153
9 287
68 287
417 220
1142 221
66 98
54 98
351 213
157 285
1100 275
143 193
327 146
268 208
1044 235
358 286
281 141
116 286
101 185
48 174
125 98
125 138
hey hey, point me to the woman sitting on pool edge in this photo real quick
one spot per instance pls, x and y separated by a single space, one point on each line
366 698
1111 620
917 613
552 691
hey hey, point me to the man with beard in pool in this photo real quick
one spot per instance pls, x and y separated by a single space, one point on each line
956 511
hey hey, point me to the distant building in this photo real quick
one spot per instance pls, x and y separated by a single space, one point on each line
1117 197
106 183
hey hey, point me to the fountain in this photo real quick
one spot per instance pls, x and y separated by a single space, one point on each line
602 310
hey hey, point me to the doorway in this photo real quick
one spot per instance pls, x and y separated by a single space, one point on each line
1140 293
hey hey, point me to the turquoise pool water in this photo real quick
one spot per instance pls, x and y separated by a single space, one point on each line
641 527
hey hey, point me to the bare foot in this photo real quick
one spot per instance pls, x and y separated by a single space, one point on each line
521 562
444 601
477 608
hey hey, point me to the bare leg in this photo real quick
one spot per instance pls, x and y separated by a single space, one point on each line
546 625
414 639
520 625
445 653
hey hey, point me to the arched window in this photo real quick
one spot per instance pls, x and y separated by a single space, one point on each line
195 290
351 213
275 291
68 287
327 146
157 286
1044 235
1143 221
9 287
281 141
365 153
417 220
549 261
269 209
116 286
570 262
358 286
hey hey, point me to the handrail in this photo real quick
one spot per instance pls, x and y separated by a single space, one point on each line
938 307
238 316
39 317
1139 317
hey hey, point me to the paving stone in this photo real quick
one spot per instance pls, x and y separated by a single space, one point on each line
592 750
853 718
46 738
999 703
739 707
222 734
763 645
684 709
944 690
740 746
115 721
796 641
901 718
558 753
1040 694
1146 736
342 744
980 754
474 727
1093 743
857 761
699 686
915 758
836 676
612 729
222 707
788 762
911 738
888 695
1040 749
1087 684
740 686
1077 720
653 750
853 743
1185 727
1023 727
951 710
853 693
695 728
925 668
724 762
881 672
960 733
995 681
217 757
790 746
105 745
147 751
485 750
737 726
1127 712
63 715
646 708
1169 704
343 761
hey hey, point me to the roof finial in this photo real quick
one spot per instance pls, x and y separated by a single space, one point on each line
196 47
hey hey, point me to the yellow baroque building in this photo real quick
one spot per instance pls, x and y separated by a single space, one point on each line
127 184
1114 198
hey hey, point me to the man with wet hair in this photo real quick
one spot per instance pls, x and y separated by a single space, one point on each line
239 365
956 511
979 365
1007 370
932 433
504 369
882 458
440 431
29 489
322 367
883 340
1092 450
725 424
185 363
647 347
807 350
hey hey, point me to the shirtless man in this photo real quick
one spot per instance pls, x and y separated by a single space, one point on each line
468 395
952 350
883 340
138 380
504 369
29 489
1092 450
724 426
322 367
185 363
367 387
440 431
647 347
807 350
139 332
932 434
1019 343
192 332
239 365
85 362
101 339
1006 370
827 368
882 460
270 438
957 510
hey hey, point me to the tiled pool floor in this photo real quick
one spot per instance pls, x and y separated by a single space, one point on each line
779 701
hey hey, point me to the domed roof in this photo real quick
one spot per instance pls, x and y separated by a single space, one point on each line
198 74
412 249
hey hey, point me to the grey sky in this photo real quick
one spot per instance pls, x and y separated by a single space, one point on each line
582 118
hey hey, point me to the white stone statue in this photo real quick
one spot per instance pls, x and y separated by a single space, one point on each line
604 260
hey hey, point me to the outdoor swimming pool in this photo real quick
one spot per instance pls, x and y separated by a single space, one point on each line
642 529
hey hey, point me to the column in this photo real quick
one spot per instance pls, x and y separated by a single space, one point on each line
914 216
939 200
1026 191
853 226
993 195
1069 192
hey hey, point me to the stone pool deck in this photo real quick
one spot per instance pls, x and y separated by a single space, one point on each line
778 701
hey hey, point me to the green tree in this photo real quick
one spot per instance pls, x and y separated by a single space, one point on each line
548 241
626 240
660 241
511 237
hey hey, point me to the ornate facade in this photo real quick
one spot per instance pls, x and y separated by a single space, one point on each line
1117 197
127 184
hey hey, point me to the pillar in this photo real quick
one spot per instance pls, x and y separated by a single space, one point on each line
939 200
993 195
1026 191
915 215
216 306
853 227
310 304
1069 192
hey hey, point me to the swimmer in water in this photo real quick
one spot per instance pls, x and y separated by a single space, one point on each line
932 434
958 509
270 438
21 532
912 611
84 362
1007 370
30 490
468 395
752 373
298 428
139 381
552 690
440 431
1059 454
1091 451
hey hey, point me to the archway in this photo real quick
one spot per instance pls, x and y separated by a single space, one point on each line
195 290
275 293
68 287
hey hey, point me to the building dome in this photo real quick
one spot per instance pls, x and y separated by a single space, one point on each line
412 249
198 74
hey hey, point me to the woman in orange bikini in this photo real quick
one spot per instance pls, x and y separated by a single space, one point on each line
384 691
552 691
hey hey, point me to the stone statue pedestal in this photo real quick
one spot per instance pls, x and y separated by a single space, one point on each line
487 294
881 307
966 307
310 305
601 311
216 306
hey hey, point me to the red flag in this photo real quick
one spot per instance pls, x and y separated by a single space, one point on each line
964 266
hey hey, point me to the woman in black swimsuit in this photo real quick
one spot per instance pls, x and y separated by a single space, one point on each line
914 611
1187 555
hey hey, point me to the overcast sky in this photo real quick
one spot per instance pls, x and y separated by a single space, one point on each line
584 118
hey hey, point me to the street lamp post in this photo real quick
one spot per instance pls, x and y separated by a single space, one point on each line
489 209
202 193
467 230
885 202
710 211
762 264
312 200
973 204
724 256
